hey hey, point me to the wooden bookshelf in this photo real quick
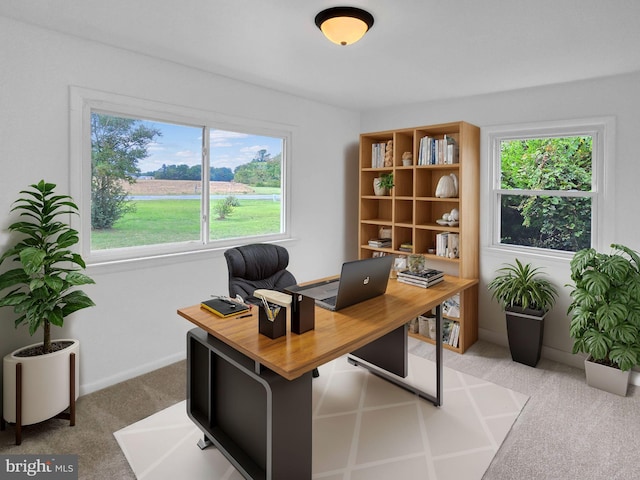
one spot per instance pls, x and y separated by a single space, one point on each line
411 209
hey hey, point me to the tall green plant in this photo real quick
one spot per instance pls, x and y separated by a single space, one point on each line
605 307
41 288
519 285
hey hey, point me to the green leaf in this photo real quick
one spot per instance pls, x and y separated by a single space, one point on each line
13 277
75 301
68 238
625 356
56 317
597 344
32 259
13 298
54 283
596 283
609 315
581 260
77 278
625 333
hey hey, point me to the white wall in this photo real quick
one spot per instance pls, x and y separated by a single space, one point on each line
134 327
618 96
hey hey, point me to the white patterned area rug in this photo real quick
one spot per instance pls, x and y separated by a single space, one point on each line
364 428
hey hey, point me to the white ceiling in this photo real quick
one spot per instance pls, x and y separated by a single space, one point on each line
417 50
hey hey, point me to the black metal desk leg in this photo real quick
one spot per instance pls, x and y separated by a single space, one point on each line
439 379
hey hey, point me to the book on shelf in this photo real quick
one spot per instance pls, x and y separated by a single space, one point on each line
438 151
224 307
448 245
450 333
379 242
377 155
451 306
406 247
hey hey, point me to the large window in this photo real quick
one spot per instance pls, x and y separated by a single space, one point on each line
144 192
547 186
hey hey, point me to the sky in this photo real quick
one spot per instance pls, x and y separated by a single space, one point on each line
183 144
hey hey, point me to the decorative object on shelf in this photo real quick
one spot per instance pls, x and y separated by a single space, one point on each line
384 232
605 322
447 186
344 25
42 293
526 299
416 263
450 219
407 159
382 184
388 154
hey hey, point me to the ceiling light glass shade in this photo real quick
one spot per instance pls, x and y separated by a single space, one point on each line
344 25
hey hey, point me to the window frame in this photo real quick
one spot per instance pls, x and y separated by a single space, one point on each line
84 101
602 131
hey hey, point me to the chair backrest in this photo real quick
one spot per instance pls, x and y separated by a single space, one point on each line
258 265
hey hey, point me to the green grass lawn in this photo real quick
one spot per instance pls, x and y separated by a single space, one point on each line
168 221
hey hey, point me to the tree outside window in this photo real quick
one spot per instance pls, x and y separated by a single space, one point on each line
147 185
546 192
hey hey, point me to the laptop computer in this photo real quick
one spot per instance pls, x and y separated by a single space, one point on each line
359 280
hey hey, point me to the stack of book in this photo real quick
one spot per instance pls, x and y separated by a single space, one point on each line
423 279
380 242
406 247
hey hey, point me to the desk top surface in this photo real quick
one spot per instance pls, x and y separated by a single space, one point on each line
335 333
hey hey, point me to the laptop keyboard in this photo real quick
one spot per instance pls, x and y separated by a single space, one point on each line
330 301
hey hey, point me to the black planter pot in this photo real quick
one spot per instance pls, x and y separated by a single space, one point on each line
525 329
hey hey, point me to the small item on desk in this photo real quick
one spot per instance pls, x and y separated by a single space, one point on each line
302 313
271 311
223 307
275 297
272 321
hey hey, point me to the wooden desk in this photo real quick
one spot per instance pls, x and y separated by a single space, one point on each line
235 373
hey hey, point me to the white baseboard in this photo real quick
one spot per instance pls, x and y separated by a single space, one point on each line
128 374
568 358
499 339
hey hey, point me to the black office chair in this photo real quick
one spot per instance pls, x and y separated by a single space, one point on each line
258 265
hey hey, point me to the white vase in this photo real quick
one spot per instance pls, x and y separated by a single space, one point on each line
377 189
45 383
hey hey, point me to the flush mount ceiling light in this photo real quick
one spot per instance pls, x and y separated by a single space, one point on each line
344 25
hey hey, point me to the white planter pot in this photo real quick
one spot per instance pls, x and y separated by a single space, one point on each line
45 383
609 379
377 189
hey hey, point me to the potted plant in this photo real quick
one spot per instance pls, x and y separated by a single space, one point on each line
605 315
526 299
382 184
42 291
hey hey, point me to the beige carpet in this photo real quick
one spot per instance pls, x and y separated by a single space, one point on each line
363 428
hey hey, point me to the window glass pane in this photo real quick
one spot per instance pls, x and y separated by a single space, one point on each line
146 182
246 182
557 223
560 163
